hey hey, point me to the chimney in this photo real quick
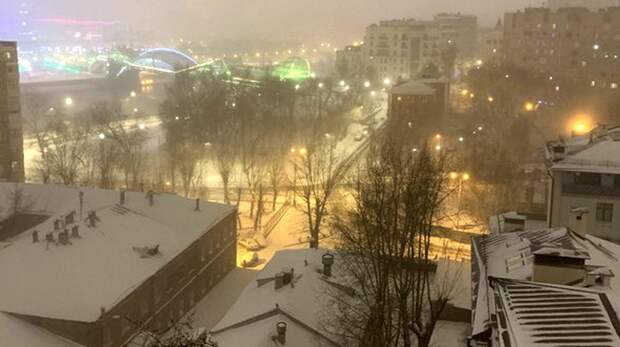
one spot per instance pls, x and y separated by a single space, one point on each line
279 281
328 261
579 220
122 197
75 232
281 332
35 236
151 196
197 205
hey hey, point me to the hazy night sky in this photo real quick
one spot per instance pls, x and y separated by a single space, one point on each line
341 19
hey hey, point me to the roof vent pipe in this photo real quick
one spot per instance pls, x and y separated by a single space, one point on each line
328 261
281 332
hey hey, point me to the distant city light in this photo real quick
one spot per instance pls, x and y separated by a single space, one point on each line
141 126
132 94
387 81
529 106
367 84
596 47
490 98
101 136
461 139
68 101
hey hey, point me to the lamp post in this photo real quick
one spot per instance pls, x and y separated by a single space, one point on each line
462 178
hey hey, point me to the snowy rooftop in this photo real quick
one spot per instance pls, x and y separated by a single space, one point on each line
251 320
16 332
412 88
600 157
536 314
299 301
511 256
100 268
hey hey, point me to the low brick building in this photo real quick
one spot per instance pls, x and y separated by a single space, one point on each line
105 265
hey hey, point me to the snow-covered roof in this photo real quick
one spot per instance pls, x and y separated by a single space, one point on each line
412 88
251 320
600 157
536 314
511 256
101 267
300 301
16 332
501 223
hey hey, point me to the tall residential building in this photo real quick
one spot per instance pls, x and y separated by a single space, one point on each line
460 29
574 42
11 141
590 4
401 48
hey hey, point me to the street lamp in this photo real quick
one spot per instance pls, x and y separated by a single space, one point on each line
490 98
529 106
387 81
132 94
101 136
68 101
367 84
141 126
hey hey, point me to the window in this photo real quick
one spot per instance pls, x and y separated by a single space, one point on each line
587 179
604 212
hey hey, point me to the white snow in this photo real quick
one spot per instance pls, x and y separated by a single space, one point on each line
99 269
601 157
15 332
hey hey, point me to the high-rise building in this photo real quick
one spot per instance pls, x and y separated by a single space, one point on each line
11 141
574 42
589 4
401 48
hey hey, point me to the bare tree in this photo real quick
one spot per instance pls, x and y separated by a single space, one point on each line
384 241
67 146
110 124
37 118
320 173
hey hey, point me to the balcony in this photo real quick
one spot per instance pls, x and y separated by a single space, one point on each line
590 190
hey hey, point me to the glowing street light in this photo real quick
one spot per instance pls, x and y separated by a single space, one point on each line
529 106
367 84
132 94
490 99
387 81
101 136
438 136
438 148
303 151
454 175
472 95
596 47
141 126
321 85
464 92
466 177
343 83
135 110
461 139
68 101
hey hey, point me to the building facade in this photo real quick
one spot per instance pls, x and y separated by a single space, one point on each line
349 61
570 42
11 141
401 48
589 4
584 192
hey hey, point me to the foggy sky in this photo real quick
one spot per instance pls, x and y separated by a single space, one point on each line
277 19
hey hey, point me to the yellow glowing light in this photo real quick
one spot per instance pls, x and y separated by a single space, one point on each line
464 92
529 106
454 175
303 151
438 136
490 98
466 177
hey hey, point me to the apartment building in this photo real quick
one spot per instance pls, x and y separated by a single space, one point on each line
11 141
571 42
